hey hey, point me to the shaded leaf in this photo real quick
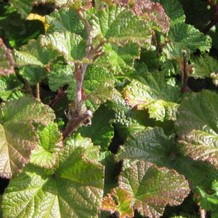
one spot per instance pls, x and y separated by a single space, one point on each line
10 87
204 66
151 145
74 190
155 95
151 188
197 126
23 7
101 131
18 136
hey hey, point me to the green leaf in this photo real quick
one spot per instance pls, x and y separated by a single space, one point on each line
151 145
46 154
17 134
101 131
174 10
187 37
60 76
155 95
33 74
68 44
197 128
204 66
74 190
64 20
149 189
35 53
6 59
120 26
10 87
23 7
119 59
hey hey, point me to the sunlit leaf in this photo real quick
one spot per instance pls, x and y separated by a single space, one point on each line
74 190
155 95
18 136
6 59
149 189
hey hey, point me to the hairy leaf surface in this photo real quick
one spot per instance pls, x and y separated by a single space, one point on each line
18 136
151 145
155 95
74 190
149 189
197 126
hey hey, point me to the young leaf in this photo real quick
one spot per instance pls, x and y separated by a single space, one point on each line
65 20
155 95
151 145
74 190
17 134
149 189
46 154
197 128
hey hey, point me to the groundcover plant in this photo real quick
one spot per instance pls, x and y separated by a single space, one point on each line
108 108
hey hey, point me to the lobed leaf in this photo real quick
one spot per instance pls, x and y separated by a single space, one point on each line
197 127
18 136
74 190
149 189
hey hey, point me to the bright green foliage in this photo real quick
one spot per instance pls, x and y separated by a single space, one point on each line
210 201
149 189
197 126
65 20
46 154
123 134
120 26
34 53
149 94
18 137
75 188
70 45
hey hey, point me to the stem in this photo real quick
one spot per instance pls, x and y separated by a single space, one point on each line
58 97
202 212
38 91
185 87
76 122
